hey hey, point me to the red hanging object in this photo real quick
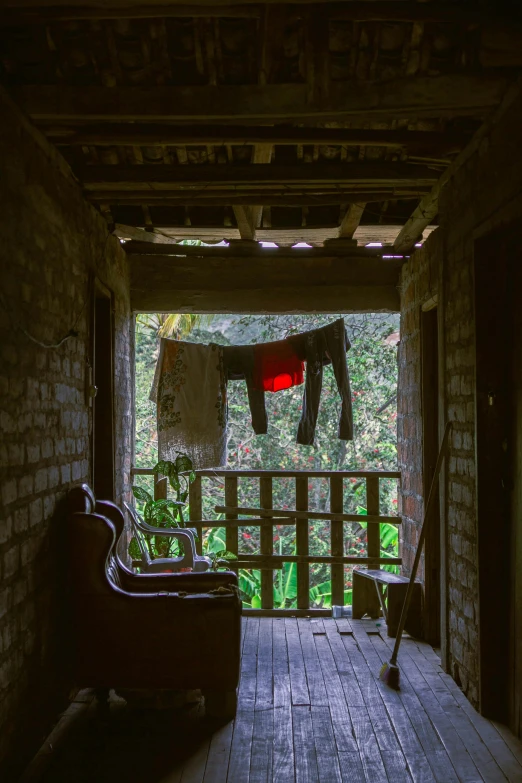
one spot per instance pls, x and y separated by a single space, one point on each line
277 366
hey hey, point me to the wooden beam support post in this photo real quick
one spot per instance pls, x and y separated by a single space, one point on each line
373 532
267 544
231 533
337 539
301 543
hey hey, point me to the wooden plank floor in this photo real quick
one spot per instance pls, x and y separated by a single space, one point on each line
311 709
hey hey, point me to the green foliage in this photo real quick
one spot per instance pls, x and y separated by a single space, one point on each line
180 475
221 559
165 512
158 513
134 549
372 364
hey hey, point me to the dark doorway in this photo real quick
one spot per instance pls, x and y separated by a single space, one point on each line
103 405
430 441
494 447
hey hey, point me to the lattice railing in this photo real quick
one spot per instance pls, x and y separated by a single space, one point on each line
265 517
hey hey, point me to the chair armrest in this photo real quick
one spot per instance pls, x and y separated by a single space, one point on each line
202 582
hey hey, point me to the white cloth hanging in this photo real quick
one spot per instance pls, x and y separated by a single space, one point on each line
189 390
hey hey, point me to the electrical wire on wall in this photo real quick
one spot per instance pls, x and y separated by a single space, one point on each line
72 331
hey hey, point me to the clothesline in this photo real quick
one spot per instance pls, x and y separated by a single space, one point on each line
190 388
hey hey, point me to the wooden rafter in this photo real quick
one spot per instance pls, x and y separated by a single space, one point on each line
351 220
423 215
125 135
437 96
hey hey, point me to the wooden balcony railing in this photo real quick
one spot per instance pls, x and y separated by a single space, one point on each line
265 518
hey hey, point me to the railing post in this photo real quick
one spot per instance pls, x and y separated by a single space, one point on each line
196 510
301 543
337 540
231 533
267 544
373 529
161 487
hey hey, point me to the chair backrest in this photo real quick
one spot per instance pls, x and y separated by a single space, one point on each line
81 499
141 529
91 541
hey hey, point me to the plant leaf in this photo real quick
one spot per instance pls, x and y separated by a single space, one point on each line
183 463
134 549
224 554
141 494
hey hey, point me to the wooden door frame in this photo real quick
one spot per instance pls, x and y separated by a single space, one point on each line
101 292
430 403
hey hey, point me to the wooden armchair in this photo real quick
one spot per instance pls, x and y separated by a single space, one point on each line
175 632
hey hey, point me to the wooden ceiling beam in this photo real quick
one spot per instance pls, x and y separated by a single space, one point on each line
257 285
37 11
196 177
434 96
127 135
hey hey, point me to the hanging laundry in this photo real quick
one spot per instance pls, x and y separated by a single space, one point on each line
189 389
238 364
319 347
277 366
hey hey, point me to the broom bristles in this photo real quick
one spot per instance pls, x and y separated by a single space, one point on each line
390 674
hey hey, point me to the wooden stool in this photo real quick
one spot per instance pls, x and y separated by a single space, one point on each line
368 598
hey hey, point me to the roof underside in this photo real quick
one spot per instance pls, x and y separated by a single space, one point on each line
280 122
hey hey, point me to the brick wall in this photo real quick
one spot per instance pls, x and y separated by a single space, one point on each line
51 242
419 284
483 194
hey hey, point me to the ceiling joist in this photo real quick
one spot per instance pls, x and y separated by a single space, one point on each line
437 96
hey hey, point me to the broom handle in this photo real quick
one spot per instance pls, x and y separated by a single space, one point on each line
427 509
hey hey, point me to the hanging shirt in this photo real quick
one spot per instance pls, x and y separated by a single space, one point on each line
325 345
189 389
277 366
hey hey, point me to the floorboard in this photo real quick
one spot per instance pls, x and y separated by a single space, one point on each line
311 709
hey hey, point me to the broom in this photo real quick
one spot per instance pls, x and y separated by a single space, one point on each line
390 673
